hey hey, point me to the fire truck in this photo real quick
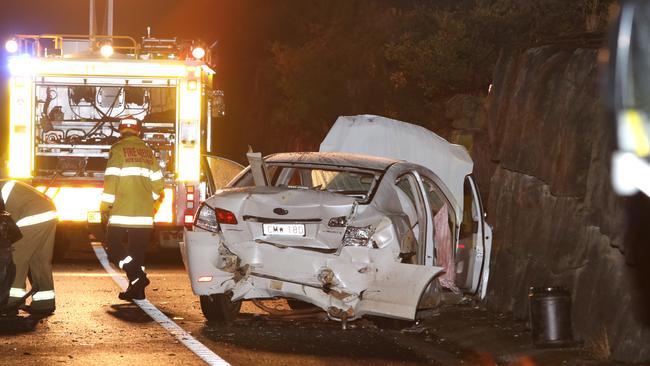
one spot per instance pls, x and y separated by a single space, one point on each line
67 94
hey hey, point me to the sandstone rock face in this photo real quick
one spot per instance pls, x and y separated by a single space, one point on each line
543 163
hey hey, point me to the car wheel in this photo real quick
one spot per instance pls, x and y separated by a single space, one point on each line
219 307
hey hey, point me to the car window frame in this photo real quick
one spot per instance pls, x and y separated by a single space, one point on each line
423 222
378 174
451 211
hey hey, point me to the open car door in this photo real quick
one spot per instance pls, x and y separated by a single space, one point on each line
220 171
474 243
452 165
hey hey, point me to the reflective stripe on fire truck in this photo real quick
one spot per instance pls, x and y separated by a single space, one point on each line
43 295
131 220
134 171
17 292
37 219
110 198
6 189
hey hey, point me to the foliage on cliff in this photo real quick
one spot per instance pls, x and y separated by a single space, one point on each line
399 58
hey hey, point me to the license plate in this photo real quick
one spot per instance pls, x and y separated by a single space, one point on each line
284 229
94 217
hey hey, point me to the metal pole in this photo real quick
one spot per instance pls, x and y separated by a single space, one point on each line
91 19
109 17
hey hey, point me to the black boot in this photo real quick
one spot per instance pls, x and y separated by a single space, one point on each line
135 291
40 312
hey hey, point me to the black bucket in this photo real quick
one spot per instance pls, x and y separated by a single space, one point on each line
550 316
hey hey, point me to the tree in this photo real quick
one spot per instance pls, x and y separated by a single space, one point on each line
401 59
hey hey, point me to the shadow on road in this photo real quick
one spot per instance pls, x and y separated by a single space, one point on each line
129 313
317 337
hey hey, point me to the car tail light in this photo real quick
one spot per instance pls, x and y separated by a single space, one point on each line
206 218
225 217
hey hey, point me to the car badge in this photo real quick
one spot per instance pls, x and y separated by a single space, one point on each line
280 211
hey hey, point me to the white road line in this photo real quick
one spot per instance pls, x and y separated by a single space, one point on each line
174 329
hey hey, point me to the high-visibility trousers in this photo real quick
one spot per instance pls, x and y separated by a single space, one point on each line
33 254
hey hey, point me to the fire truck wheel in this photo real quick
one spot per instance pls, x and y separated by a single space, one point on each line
219 307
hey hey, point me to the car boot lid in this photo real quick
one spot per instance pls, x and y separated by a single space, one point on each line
389 138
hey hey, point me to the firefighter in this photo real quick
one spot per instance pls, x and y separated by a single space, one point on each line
35 215
133 188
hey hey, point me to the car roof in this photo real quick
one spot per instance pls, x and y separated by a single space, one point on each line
333 159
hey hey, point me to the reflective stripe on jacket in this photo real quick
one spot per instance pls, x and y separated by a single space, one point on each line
132 182
37 296
26 205
37 219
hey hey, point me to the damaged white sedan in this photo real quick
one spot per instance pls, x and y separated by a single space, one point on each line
356 229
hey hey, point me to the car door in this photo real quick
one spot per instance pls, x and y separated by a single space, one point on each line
473 248
442 219
409 184
219 171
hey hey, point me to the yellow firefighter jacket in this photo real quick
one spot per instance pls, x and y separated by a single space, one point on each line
132 183
26 205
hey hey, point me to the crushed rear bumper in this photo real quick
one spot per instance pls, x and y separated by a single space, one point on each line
359 281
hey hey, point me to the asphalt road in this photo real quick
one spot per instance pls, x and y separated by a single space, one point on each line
92 326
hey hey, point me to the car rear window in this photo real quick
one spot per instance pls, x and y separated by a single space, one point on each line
353 182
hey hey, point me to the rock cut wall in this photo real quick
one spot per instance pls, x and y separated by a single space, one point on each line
543 163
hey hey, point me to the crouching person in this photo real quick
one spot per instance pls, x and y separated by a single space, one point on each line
133 184
7 267
7 274
35 215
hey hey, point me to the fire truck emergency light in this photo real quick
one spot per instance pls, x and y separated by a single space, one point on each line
11 46
198 53
106 50
22 65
